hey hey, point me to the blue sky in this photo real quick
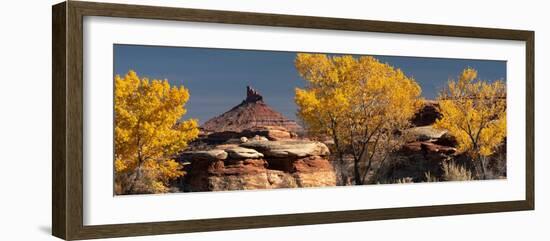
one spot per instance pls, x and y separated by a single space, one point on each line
217 78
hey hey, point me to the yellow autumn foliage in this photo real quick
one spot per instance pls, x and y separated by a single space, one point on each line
358 102
148 133
474 111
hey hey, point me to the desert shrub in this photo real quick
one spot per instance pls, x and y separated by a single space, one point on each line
454 172
430 177
395 181
404 180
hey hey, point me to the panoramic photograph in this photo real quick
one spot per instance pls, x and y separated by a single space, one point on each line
192 119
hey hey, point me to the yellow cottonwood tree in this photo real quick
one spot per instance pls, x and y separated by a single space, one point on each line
359 102
474 111
148 134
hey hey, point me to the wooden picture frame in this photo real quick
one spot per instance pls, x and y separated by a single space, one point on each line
67 152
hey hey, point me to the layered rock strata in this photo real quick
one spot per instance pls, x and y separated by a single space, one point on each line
258 165
251 113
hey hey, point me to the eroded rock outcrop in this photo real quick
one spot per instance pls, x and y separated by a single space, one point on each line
207 155
259 165
415 159
288 149
272 133
425 133
238 152
426 151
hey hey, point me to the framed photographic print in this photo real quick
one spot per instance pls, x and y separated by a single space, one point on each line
171 120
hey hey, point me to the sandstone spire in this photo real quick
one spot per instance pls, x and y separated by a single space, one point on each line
252 95
252 112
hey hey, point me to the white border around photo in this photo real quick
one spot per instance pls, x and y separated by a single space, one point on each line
102 207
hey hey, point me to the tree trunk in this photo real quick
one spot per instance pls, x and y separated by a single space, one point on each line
343 169
357 173
483 168
135 180
341 163
479 162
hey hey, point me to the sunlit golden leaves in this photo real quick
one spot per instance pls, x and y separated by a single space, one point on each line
148 133
474 111
354 100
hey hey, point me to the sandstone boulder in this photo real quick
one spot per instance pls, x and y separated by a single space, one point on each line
285 149
258 138
425 133
273 133
243 153
208 155
314 171
427 147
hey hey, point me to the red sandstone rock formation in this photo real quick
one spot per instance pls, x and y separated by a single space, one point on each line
251 113
272 133
258 165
